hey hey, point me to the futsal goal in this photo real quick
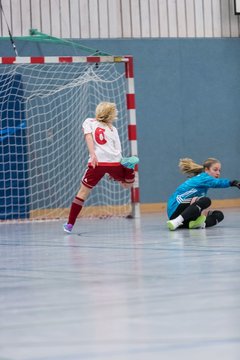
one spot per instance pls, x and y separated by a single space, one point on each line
43 155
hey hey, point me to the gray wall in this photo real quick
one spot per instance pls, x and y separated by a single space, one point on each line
187 98
92 19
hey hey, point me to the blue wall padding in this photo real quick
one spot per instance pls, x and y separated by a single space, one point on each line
13 150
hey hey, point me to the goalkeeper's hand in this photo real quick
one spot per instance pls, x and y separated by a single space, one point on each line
235 183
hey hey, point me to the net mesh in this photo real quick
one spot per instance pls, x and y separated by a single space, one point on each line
43 154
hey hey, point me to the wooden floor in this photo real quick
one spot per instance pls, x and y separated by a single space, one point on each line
120 289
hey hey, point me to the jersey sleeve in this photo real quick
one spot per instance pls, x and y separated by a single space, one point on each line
87 126
211 182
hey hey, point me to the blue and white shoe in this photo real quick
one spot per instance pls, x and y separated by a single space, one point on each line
68 228
130 162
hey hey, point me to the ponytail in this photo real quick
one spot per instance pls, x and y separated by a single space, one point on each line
189 167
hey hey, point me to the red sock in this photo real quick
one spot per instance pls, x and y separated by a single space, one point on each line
75 209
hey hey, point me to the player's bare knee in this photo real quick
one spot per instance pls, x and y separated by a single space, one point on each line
83 192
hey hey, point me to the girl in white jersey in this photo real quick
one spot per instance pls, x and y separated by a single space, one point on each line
105 156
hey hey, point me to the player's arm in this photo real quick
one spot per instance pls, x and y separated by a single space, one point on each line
221 183
90 145
118 142
208 181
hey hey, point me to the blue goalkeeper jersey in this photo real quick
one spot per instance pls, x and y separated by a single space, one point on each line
195 186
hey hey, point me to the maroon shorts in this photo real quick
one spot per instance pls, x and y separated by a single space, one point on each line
118 172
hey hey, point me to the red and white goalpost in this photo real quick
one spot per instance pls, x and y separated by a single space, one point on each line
43 155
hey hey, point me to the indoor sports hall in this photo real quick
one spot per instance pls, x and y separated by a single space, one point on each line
130 280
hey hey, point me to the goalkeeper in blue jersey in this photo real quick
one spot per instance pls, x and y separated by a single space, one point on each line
187 206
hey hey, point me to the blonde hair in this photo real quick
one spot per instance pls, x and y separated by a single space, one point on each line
106 112
188 166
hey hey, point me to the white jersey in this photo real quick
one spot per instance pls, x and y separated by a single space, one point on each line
106 141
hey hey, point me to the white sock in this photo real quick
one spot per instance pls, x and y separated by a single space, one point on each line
177 221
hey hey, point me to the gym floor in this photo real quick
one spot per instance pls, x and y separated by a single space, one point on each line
120 289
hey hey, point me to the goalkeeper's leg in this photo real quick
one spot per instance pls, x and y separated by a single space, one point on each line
214 217
190 214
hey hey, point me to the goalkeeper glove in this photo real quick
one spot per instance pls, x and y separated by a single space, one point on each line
235 183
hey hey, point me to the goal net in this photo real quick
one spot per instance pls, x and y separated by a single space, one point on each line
43 154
